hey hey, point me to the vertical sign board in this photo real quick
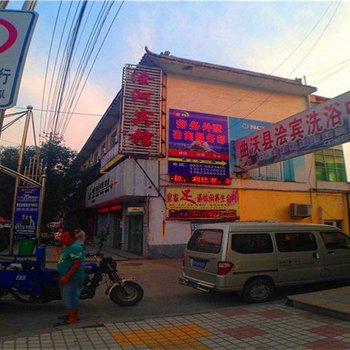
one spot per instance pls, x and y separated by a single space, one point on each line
198 144
26 212
141 114
322 126
16 29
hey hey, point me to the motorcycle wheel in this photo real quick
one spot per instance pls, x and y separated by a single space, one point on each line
129 294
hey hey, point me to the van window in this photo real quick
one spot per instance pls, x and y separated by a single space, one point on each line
252 243
295 242
208 241
335 240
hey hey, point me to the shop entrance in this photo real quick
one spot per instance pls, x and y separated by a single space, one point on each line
136 234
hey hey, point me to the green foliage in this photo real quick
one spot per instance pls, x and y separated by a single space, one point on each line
62 180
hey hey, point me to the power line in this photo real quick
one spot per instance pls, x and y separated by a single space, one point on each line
284 60
49 110
47 66
299 64
94 61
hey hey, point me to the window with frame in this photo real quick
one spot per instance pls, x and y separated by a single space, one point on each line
335 240
330 165
252 243
206 241
295 242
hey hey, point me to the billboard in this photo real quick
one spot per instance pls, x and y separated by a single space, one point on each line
186 203
290 170
141 113
198 144
322 126
26 212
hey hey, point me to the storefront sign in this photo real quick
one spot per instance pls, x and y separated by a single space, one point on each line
203 215
26 212
322 126
180 198
198 144
141 112
136 210
203 180
126 179
110 158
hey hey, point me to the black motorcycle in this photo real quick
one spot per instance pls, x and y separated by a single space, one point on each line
124 292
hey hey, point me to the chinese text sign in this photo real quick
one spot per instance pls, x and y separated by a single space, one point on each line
319 127
141 112
16 29
198 144
180 198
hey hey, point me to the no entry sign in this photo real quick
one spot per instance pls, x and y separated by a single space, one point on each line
16 29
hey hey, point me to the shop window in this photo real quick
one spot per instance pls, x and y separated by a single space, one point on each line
252 243
330 165
295 242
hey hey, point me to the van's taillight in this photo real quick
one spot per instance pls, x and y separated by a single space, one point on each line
224 267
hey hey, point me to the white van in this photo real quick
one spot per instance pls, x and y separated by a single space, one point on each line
254 258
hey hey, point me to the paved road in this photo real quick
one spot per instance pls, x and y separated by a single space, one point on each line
163 297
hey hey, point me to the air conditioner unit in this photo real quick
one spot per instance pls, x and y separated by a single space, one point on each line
300 210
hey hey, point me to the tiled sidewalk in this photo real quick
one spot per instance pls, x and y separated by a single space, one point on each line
260 327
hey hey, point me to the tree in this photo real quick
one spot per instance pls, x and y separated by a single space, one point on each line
58 160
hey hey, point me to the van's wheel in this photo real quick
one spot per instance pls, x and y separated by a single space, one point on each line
258 290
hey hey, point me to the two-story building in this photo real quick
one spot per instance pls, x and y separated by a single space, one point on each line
165 152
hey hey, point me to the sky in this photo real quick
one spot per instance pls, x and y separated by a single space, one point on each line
307 40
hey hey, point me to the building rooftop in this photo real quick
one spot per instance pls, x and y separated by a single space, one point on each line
199 70
202 70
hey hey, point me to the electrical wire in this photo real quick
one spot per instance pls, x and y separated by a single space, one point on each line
298 65
69 58
330 75
47 67
94 61
89 47
48 116
6 126
47 110
284 60
13 114
65 90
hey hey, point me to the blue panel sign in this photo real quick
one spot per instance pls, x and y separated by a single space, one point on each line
26 212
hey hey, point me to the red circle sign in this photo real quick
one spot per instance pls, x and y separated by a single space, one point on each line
12 35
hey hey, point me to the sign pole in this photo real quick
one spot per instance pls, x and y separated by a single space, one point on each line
19 167
29 5
3 5
2 115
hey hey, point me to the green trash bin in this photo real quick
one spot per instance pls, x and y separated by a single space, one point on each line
26 246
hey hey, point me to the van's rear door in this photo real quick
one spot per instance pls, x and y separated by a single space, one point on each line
203 252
